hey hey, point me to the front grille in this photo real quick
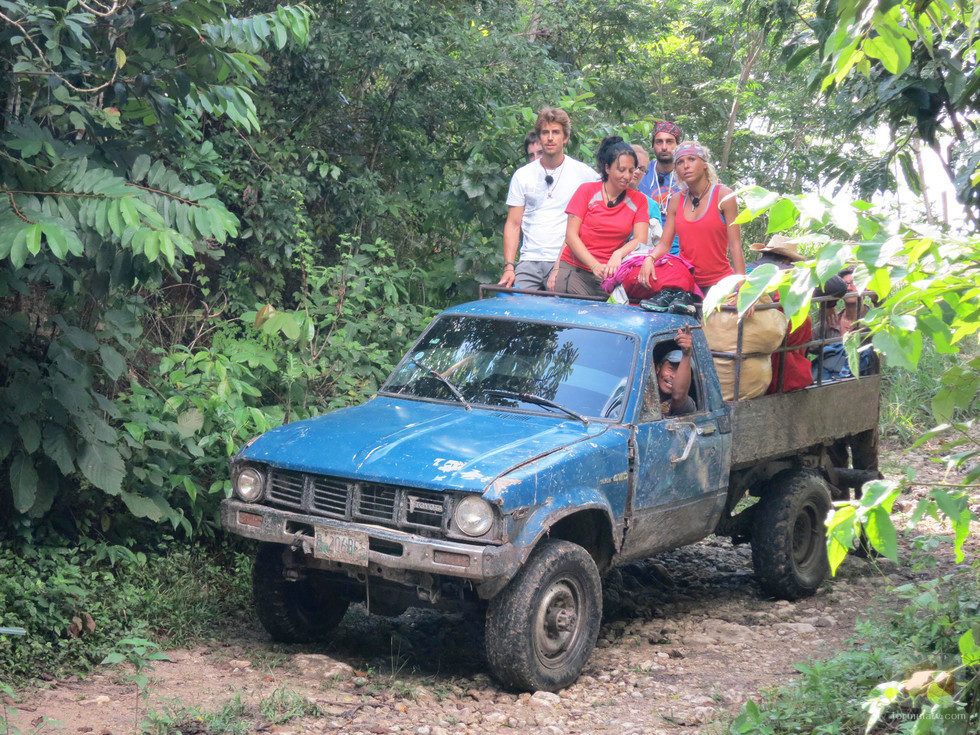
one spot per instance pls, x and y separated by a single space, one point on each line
330 495
377 502
287 487
339 497
425 508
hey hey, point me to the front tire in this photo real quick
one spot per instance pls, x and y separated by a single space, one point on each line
303 611
542 627
789 535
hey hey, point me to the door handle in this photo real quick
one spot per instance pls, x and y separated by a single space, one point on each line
696 431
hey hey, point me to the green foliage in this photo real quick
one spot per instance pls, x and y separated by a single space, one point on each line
279 707
922 635
914 66
138 653
59 595
94 99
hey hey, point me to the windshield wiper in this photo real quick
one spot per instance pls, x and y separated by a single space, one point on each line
539 400
442 379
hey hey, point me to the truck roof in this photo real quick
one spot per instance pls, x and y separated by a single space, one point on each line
577 312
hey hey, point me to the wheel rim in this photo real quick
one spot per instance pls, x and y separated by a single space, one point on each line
558 621
806 534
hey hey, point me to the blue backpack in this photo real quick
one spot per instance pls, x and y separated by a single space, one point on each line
835 363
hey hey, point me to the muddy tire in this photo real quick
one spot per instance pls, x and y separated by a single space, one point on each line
542 627
292 612
789 547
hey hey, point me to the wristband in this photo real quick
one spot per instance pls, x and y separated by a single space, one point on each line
510 263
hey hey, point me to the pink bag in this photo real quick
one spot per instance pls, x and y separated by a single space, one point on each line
672 272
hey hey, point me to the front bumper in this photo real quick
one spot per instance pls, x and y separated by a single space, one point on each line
391 549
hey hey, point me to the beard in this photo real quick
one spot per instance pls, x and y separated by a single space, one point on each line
665 157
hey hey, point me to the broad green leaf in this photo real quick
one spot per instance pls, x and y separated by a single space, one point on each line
957 509
56 239
795 295
80 338
47 489
141 166
190 421
880 493
969 650
151 245
120 58
881 533
719 293
757 200
759 281
141 506
58 447
840 535
103 467
23 482
113 363
831 259
33 240
880 48
880 283
782 215
30 435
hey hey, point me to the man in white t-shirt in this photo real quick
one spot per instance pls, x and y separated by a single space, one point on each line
536 200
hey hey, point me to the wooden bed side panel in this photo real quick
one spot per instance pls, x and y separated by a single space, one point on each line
782 424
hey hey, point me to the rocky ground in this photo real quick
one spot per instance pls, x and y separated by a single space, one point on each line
687 637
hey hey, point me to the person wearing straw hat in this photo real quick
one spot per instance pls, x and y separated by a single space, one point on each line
780 251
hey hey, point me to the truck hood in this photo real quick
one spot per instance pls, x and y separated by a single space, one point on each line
415 443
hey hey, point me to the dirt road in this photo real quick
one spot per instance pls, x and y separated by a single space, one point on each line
687 637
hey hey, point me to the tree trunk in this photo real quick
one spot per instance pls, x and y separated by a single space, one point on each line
922 183
733 115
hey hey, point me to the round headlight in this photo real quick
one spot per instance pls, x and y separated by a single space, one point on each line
474 516
248 484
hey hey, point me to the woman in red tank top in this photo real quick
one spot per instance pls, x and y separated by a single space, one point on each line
699 216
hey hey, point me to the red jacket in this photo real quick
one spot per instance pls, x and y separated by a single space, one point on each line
797 372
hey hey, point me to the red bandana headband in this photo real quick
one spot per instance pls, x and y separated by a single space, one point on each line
664 126
691 149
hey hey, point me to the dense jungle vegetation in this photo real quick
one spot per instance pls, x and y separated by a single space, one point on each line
219 216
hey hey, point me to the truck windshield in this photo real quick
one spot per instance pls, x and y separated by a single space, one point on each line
584 370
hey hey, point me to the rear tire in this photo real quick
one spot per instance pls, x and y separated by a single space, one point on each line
542 627
789 545
303 611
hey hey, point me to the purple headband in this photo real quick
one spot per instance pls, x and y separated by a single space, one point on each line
665 126
691 149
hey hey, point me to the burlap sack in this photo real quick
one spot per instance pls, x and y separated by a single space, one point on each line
754 380
763 331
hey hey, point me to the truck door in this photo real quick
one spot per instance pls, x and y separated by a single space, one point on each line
681 461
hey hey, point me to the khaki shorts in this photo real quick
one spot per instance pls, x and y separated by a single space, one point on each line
533 274
577 281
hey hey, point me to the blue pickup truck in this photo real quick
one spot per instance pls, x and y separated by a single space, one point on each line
518 453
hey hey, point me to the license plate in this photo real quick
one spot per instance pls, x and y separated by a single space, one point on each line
349 547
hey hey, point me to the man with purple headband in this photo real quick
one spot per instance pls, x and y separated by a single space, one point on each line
660 182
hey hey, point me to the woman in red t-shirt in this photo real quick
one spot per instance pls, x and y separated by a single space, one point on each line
700 216
606 221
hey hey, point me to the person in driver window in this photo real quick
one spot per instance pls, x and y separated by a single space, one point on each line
673 372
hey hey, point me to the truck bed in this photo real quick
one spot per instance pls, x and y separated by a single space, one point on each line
783 424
